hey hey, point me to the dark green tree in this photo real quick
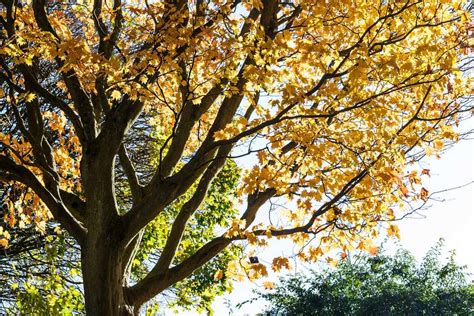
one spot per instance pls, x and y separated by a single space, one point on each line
378 285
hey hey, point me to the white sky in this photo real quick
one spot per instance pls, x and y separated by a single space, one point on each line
452 218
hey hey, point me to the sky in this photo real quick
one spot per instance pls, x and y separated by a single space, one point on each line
450 217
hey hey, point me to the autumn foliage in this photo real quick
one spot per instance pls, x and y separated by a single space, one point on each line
115 114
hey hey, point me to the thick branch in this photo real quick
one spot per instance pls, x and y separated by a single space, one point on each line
10 171
188 209
79 96
139 216
156 283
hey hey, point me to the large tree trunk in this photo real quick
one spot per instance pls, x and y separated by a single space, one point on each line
104 280
102 251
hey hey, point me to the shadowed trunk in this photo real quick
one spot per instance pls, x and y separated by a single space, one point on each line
103 279
102 253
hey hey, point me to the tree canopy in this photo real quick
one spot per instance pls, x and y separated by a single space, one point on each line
378 285
118 117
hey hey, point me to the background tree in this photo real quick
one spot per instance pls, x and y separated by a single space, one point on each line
42 279
334 101
378 285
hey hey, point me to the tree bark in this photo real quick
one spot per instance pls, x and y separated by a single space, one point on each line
104 280
102 253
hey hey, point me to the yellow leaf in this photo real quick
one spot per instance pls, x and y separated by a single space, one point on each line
373 250
280 263
404 190
258 270
3 243
218 275
438 144
220 135
251 238
30 97
424 194
394 231
257 4
115 95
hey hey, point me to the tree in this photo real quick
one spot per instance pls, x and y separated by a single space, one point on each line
41 279
39 273
332 100
378 285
